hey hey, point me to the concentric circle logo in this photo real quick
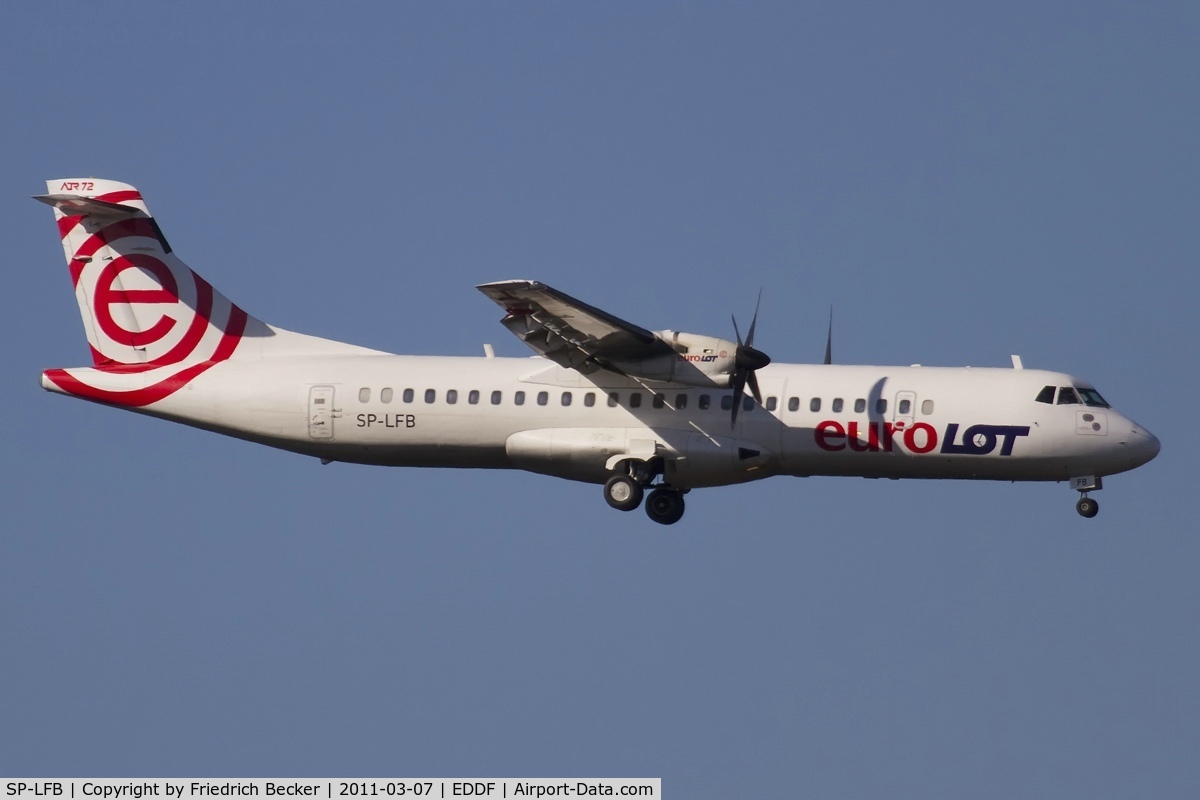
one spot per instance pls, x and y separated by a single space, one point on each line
147 312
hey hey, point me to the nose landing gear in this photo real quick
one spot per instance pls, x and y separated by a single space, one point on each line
1087 507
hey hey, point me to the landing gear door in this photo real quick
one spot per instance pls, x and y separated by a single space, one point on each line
906 406
320 412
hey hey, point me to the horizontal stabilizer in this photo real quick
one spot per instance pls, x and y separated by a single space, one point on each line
74 205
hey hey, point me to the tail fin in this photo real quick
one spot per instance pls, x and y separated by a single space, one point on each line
152 323
142 307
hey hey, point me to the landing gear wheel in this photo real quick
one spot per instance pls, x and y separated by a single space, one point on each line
665 506
1087 507
623 492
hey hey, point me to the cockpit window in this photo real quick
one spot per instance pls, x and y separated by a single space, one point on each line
1067 396
1046 395
1092 398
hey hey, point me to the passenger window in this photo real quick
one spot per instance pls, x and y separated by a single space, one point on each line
905 407
473 397
385 396
680 402
927 407
704 402
408 395
518 398
793 404
543 398
772 403
635 399
614 399
452 396
726 402
430 395
1046 395
659 400
814 404
566 398
837 405
1067 396
589 399
881 406
497 396
364 395
860 406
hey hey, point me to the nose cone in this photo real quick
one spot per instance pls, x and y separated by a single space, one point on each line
1143 445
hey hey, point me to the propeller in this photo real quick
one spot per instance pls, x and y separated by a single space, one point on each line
746 361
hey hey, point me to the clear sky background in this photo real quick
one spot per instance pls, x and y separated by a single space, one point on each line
961 181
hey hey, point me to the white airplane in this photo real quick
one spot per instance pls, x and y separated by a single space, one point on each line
604 401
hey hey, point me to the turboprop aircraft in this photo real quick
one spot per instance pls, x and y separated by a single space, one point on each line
603 401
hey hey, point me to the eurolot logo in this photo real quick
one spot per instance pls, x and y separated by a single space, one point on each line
151 314
918 438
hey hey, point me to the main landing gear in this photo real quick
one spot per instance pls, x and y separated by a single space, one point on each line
665 505
1087 507
624 491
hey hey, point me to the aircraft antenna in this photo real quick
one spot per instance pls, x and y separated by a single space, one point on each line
829 339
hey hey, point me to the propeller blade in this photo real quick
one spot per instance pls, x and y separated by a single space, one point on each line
753 321
737 386
752 379
746 360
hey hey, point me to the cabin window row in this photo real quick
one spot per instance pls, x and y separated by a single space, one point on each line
838 405
634 400
496 398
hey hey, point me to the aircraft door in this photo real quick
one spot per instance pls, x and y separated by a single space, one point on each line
905 408
320 412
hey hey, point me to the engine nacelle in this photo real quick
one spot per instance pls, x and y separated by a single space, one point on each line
693 360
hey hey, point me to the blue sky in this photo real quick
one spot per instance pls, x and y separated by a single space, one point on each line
960 181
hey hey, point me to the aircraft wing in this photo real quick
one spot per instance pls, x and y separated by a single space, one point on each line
569 332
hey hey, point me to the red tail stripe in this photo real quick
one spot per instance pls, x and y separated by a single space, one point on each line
120 196
98 358
136 226
66 224
190 340
164 388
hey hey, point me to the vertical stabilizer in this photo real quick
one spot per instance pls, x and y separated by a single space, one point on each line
151 322
141 306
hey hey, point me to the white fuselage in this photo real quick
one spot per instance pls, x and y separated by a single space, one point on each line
527 413
605 401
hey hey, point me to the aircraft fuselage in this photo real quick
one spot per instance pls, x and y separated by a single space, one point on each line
605 401
429 411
